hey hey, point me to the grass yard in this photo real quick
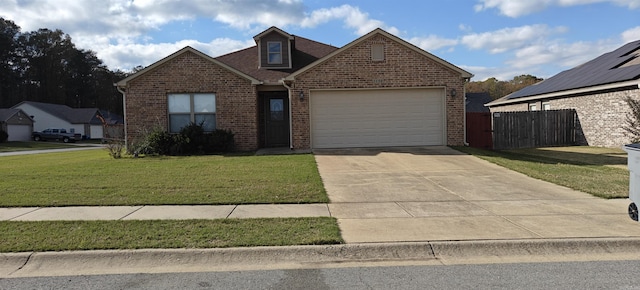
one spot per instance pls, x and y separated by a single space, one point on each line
26 146
93 178
599 171
106 235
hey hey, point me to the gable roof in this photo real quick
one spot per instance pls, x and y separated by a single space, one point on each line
612 69
463 73
6 114
272 29
64 112
304 52
186 49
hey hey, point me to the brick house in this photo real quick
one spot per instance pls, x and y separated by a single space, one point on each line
289 91
596 90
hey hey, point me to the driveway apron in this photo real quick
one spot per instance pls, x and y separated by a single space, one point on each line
437 193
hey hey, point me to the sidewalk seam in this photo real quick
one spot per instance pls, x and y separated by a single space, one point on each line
232 210
26 213
125 216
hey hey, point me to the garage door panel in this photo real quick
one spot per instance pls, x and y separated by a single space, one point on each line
371 118
19 132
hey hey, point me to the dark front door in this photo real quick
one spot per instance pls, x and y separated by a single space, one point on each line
276 120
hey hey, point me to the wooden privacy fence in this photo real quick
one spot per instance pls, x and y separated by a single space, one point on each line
512 130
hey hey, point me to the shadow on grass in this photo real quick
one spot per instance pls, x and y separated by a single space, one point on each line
566 155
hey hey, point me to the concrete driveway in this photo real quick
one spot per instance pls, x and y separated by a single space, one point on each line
437 193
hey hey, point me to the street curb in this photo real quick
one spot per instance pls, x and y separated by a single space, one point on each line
289 257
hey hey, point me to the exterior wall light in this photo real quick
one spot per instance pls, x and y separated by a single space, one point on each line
301 96
453 93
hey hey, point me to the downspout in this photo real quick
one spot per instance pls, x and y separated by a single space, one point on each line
464 113
124 112
284 83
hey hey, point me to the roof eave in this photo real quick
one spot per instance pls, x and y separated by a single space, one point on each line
123 82
504 101
463 73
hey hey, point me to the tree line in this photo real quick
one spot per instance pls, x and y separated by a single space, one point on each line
45 66
498 89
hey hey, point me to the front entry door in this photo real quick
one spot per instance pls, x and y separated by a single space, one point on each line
276 114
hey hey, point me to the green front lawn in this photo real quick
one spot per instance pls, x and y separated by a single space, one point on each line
26 146
599 171
93 178
105 235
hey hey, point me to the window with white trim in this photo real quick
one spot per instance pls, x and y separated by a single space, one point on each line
533 107
274 52
546 106
192 108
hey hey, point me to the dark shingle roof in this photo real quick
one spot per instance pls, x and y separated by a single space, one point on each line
475 102
71 115
617 66
5 114
305 51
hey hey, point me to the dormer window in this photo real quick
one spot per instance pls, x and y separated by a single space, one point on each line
274 50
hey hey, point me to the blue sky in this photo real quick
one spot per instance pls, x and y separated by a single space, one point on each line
489 38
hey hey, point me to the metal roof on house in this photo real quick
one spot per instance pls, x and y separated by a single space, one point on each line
620 65
71 115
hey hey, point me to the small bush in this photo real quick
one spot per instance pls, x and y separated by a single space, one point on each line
4 136
221 141
192 140
115 148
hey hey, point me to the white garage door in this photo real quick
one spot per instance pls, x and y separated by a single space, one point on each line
19 132
377 118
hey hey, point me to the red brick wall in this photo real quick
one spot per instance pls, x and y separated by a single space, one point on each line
402 67
236 98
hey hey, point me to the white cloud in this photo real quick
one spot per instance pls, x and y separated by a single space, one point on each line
630 35
352 16
117 30
433 42
510 38
515 9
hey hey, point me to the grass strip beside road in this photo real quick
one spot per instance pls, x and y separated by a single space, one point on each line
109 235
28 146
597 171
92 178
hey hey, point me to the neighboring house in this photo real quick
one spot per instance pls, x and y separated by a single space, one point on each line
475 102
289 91
84 121
17 124
596 90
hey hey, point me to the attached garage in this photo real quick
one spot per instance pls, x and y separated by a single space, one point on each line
17 124
377 117
19 132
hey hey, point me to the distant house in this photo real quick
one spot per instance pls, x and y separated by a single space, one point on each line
290 91
17 124
475 102
596 90
84 121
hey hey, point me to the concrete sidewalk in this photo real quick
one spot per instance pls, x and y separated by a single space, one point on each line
160 212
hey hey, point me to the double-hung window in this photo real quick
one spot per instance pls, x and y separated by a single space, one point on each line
274 51
192 108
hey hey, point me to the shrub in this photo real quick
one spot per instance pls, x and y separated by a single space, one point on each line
157 142
115 148
221 141
4 136
192 140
